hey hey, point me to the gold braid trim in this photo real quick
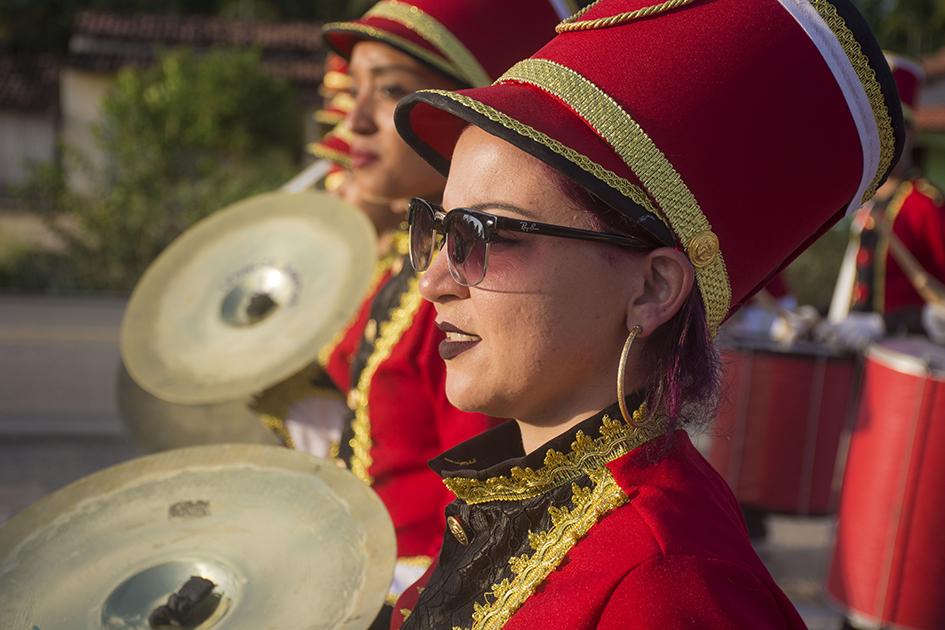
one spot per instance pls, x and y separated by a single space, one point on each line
430 29
616 439
389 334
618 183
550 547
396 41
874 93
277 426
570 24
657 174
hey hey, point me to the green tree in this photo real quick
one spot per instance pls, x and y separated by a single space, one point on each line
912 27
181 140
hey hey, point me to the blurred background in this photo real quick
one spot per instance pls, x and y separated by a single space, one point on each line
122 122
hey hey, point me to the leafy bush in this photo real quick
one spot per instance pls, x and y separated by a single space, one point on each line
181 140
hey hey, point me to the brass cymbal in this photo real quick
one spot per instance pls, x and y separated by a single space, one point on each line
158 425
285 539
245 298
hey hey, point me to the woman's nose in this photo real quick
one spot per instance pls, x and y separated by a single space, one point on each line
360 119
437 284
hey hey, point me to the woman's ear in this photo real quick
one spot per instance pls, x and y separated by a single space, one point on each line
667 277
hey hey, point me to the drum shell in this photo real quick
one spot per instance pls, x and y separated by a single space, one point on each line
888 564
778 429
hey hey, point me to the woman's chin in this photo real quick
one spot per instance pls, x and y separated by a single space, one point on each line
464 393
472 395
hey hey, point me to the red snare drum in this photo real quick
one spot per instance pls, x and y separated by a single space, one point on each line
777 433
888 564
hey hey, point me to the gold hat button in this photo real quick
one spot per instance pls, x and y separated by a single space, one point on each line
457 530
703 249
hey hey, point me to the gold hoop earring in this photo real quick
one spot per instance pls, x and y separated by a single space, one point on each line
622 373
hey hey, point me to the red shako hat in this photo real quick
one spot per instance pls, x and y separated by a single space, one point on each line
472 41
737 130
909 77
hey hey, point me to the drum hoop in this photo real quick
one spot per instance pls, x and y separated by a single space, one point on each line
903 362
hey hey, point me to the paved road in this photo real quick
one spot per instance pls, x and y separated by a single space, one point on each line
57 415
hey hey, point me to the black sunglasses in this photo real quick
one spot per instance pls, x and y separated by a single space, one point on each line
468 234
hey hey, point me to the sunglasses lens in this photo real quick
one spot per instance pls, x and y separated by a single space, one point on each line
420 218
467 248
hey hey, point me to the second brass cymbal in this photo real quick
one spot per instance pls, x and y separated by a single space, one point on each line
158 425
245 298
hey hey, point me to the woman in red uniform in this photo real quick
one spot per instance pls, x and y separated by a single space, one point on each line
591 233
387 362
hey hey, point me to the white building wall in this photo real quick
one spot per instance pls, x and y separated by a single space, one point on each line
24 137
80 97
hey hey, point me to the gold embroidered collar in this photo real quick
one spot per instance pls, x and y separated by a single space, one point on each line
518 483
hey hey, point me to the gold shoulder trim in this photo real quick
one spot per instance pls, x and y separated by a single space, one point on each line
550 547
641 155
388 336
398 42
616 439
571 24
874 93
430 29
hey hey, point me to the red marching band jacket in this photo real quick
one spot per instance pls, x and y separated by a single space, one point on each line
531 539
388 363
916 211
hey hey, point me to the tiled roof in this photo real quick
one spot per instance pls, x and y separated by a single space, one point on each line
200 31
28 83
106 42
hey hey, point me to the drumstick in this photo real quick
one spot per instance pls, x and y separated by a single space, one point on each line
308 177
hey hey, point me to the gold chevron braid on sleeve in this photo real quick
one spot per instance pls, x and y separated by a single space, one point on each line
649 164
397 42
874 92
388 336
434 32
571 24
